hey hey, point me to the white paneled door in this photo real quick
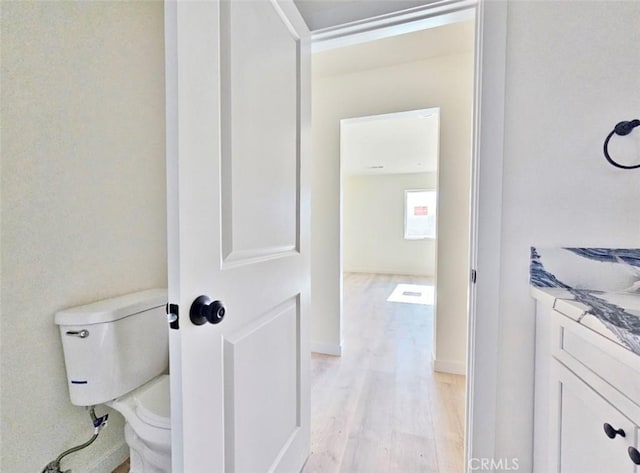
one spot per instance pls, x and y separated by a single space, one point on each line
238 124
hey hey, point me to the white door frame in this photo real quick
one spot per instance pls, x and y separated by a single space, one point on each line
486 198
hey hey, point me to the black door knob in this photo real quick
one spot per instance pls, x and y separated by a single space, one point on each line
634 454
611 432
204 310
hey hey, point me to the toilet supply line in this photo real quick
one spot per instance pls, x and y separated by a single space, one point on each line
98 424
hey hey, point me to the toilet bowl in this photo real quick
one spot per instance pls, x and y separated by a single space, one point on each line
147 430
116 353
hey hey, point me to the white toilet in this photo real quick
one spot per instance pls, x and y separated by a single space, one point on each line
116 353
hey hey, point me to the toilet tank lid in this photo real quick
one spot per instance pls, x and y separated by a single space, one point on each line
109 310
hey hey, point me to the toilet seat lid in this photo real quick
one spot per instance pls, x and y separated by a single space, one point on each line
153 405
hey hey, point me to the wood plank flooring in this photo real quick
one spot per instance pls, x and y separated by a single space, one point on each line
123 468
380 408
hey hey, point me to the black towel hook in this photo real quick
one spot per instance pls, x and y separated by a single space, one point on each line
621 129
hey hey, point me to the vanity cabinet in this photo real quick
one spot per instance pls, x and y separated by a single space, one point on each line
583 445
583 381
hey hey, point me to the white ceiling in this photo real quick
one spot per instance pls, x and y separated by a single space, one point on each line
455 38
321 14
397 143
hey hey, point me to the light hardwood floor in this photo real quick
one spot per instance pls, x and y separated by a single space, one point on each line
124 468
380 408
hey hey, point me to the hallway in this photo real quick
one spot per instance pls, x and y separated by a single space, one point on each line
380 407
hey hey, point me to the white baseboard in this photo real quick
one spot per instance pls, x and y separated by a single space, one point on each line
394 272
326 348
112 460
453 367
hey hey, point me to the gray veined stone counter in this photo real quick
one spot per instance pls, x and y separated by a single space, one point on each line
597 287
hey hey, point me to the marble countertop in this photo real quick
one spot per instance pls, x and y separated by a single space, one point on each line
597 287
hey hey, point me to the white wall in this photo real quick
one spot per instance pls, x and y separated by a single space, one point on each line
445 82
83 203
572 74
373 226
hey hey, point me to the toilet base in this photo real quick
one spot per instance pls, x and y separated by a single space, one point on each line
143 459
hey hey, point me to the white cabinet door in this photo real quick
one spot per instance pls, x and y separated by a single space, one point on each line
238 115
578 416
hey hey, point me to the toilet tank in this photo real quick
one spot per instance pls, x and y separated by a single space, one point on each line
114 346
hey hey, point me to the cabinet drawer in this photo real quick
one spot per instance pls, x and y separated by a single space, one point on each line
595 358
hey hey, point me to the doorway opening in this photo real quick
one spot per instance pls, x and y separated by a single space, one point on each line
389 177
426 69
